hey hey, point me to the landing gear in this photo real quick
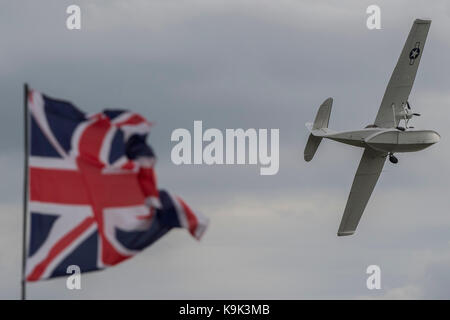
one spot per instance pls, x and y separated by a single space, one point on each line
392 158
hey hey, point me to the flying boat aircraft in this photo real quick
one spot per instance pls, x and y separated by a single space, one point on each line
388 135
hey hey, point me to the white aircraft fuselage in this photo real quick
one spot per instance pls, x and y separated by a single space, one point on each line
389 140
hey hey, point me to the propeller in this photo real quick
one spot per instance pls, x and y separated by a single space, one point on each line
409 114
409 108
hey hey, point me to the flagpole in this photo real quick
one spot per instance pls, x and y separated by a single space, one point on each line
25 191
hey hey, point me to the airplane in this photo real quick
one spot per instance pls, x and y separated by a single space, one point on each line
385 136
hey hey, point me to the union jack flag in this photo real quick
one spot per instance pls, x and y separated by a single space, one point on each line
93 197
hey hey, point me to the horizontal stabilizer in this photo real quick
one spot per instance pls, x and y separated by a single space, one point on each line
318 129
311 147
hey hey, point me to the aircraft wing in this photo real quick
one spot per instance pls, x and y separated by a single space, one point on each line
366 177
402 79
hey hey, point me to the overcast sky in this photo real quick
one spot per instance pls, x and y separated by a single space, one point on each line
244 64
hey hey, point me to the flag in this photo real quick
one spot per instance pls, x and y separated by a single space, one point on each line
93 197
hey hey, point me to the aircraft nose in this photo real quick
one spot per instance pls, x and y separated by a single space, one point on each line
434 137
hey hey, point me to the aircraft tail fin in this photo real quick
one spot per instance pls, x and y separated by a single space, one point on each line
320 122
323 115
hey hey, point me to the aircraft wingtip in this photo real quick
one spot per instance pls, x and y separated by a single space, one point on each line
345 233
423 21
